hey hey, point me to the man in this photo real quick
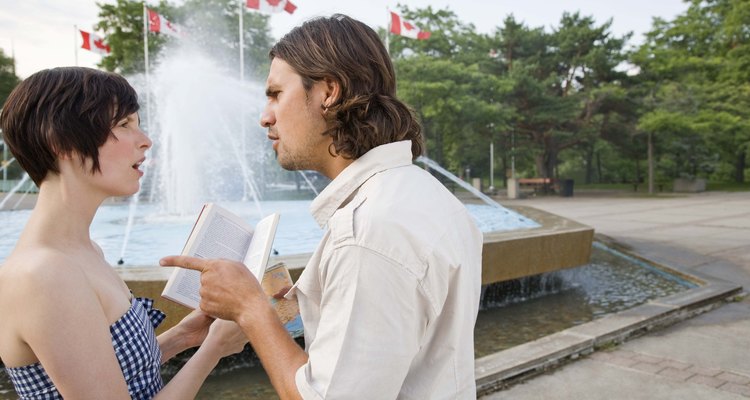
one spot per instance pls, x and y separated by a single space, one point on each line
390 297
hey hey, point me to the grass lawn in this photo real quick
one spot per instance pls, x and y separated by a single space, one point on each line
728 186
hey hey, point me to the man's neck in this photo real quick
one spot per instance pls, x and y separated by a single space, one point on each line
333 168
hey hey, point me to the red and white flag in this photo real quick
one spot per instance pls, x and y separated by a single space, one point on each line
271 6
94 43
158 24
399 26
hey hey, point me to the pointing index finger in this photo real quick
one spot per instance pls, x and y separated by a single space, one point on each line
194 263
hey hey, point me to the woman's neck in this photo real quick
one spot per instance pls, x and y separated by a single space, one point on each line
63 214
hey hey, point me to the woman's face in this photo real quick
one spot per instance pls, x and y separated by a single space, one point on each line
120 158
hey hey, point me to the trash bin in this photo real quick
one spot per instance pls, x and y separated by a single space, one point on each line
566 188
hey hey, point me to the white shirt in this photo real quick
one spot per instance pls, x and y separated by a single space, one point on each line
390 297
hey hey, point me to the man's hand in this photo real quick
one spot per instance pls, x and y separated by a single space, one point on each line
228 288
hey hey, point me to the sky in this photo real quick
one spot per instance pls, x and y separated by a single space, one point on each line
41 33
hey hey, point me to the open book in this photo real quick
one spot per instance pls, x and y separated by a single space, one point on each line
218 233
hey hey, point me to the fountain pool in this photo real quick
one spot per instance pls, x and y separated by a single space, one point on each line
154 235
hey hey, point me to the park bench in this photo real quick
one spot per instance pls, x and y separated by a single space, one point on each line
538 185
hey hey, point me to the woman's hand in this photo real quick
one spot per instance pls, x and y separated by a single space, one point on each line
225 337
194 328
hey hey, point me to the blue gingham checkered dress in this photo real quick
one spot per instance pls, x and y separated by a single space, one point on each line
137 351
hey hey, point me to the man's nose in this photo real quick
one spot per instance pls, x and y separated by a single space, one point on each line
266 118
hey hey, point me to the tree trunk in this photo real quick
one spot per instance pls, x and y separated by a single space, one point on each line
739 166
505 170
545 168
637 171
552 164
650 165
589 164
539 165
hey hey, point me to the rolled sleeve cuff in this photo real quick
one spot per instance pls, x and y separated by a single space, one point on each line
303 386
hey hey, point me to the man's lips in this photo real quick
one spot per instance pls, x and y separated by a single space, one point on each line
274 139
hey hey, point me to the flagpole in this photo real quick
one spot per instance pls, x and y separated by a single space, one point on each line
242 44
75 43
243 138
388 33
145 68
13 55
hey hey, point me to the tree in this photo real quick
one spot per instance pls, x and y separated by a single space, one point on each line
553 91
212 24
8 78
122 24
8 81
444 79
697 68
565 83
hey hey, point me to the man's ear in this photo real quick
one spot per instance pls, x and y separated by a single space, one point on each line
332 93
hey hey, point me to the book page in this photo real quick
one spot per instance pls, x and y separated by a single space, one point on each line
223 238
256 258
217 234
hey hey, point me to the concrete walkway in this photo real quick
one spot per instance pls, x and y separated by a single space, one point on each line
706 357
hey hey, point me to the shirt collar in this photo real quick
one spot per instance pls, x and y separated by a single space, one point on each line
378 159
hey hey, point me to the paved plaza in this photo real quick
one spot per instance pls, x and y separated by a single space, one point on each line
706 357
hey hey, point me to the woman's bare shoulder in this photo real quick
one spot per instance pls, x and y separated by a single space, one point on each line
39 270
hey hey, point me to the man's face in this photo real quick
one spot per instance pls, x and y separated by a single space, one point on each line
294 119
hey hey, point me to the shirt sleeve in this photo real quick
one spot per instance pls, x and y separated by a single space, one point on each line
372 322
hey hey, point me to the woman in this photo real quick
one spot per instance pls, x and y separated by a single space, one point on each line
69 325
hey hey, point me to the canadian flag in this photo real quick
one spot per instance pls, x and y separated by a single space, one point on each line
157 23
94 43
271 6
399 26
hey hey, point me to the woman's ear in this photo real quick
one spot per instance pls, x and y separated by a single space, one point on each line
67 156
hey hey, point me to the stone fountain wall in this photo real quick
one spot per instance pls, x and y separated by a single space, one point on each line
559 243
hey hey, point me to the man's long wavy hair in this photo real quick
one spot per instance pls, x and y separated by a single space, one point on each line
367 113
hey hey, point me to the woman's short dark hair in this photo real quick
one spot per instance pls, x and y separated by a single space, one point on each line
368 114
64 111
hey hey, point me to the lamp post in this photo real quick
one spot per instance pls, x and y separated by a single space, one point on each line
492 167
513 155
5 162
512 183
491 127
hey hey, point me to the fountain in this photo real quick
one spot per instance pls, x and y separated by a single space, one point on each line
198 158
209 147
14 190
17 187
